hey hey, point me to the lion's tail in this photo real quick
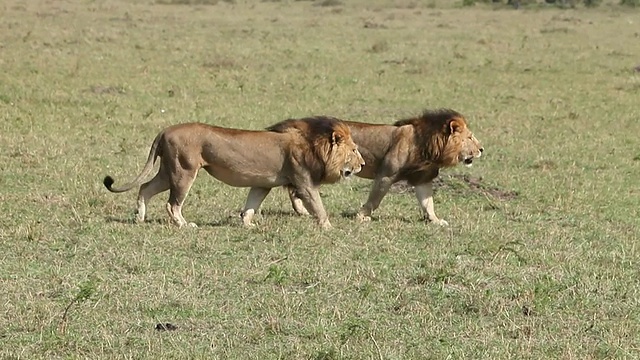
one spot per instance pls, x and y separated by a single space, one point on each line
148 167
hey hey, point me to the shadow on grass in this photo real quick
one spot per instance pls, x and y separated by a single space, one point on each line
280 212
349 214
230 221
352 215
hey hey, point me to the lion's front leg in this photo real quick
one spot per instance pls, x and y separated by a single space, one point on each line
424 194
310 197
254 200
296 201
380 188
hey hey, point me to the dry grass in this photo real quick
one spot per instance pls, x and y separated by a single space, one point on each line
539 261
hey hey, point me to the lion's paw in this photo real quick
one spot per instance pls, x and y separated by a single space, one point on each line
326 225
302 212
440 222
363 217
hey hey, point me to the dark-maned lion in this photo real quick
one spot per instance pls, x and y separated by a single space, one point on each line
319 151
413 150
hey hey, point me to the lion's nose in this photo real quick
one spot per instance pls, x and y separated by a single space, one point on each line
481 150
362 165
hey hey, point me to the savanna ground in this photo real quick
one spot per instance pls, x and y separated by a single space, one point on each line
540 259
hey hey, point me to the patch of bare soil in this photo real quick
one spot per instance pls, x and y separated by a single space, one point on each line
462 182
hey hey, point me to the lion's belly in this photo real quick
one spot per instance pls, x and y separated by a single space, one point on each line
239 164
245 178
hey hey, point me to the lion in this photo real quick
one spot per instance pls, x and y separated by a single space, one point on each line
413 150
318 151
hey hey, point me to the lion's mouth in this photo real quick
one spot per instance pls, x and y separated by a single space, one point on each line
468 161
346 173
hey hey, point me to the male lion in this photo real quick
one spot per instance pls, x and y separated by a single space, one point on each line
319 151
413 150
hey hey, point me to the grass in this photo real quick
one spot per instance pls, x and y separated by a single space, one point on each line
539 261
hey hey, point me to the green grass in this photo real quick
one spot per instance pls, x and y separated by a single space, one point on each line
540 259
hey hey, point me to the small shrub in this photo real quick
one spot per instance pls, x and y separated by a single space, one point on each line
85 291
277 274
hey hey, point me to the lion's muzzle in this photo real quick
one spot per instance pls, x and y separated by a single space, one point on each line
348 172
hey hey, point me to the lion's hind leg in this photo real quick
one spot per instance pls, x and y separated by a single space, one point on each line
148 190
179 187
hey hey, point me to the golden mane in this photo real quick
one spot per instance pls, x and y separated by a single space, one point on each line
432 132
320 133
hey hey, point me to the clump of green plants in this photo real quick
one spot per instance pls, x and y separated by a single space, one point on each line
329 3
632 3
85 291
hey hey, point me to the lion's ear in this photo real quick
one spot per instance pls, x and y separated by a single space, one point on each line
455 126
336 138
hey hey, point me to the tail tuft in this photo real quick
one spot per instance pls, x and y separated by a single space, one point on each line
108 182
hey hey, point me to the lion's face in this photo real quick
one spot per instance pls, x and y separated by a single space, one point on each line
464 142
346 152
354 162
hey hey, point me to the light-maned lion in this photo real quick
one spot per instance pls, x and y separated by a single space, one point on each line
414 150
318 151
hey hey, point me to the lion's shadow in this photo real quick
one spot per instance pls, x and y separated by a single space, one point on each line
132 221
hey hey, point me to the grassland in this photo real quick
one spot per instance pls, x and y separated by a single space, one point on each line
540 259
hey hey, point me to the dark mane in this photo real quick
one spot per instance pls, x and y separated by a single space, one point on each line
318 133
432 118
316 126
431 131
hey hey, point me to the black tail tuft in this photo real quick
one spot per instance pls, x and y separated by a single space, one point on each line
108 182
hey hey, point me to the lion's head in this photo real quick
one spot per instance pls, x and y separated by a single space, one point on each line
331 153
444 137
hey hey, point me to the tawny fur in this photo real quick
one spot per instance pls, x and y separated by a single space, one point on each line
321 152
414 150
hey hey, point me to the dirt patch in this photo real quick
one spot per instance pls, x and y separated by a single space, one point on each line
461 183
476 185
